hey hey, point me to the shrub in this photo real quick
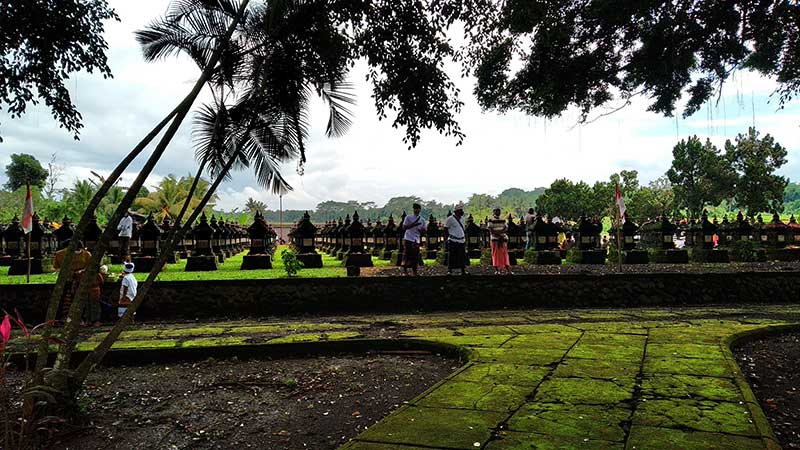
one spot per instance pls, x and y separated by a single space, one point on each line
744 251
290 262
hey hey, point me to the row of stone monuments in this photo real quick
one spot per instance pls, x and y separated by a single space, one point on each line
216 239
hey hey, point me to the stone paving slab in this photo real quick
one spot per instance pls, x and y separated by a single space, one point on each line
647 378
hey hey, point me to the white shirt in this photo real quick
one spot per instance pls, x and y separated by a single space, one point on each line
412 233
130 282
125 227
455 229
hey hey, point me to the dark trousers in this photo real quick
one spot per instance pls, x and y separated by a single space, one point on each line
456 255
124 246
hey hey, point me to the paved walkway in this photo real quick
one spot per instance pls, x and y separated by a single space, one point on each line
599 379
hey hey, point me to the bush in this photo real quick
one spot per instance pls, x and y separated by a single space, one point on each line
290 262
744 251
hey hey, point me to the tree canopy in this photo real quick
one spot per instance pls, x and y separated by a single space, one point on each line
24 169
543 57
754 161
42 43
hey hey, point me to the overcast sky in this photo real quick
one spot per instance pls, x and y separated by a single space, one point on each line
371 163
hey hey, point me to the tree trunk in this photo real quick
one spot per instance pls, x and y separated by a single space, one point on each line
65 273
175 236
73 319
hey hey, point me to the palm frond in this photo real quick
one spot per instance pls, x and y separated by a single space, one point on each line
338 96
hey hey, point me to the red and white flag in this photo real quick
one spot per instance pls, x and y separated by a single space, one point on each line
27 213
620 202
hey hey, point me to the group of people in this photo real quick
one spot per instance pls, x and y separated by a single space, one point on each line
414 225
93 309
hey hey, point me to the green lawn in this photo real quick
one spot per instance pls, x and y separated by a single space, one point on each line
332 268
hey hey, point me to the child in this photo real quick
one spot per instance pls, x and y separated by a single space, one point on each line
127 290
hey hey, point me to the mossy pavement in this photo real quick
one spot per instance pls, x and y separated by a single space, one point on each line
543 379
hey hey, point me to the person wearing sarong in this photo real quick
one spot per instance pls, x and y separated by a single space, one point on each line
456 241
529 221
79 262
499 242
413 226
125 229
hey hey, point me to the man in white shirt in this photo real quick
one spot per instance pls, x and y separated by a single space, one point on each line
414 226
127 289
125 229
456 241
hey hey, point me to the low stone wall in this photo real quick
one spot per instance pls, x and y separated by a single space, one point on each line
280 297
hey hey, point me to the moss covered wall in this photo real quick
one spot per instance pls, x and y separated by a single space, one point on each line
237 298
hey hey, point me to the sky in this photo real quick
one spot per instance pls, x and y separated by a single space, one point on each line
371 163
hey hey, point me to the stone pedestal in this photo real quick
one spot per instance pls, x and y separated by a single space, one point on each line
590 256
143 264
547 258
201 263
310 260
783 254
702 255
431 254
184 254
386 255
353 271
255 262
635 257
357 260
19 266
5 260
221 258
670 256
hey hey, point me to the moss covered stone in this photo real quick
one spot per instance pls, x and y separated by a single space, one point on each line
214 342
628 340
697 351
474 341
643 437
314 337
429 332
530 441
435 427
594 368
588 391
686 366
198 331
523 356
489 330
603 422
557 341
700 415
688 386
480 396
543 328
607 352
518 375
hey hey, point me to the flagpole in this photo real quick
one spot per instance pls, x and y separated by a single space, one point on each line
28 275
619 241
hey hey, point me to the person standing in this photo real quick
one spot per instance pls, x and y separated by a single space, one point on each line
498 229
79 263
125 229
456 241
127 289
413 227
530 221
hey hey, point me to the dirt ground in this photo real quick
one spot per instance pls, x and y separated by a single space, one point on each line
315 403
772 365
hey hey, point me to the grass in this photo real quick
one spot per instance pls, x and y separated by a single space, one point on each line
230 270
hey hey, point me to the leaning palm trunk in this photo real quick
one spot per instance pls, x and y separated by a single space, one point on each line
73 319
65 273
60 378
175 236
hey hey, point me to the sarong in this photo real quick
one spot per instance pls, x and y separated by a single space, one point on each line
455 255
500 258
410 254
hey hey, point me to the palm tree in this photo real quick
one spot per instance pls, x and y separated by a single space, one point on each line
265 126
